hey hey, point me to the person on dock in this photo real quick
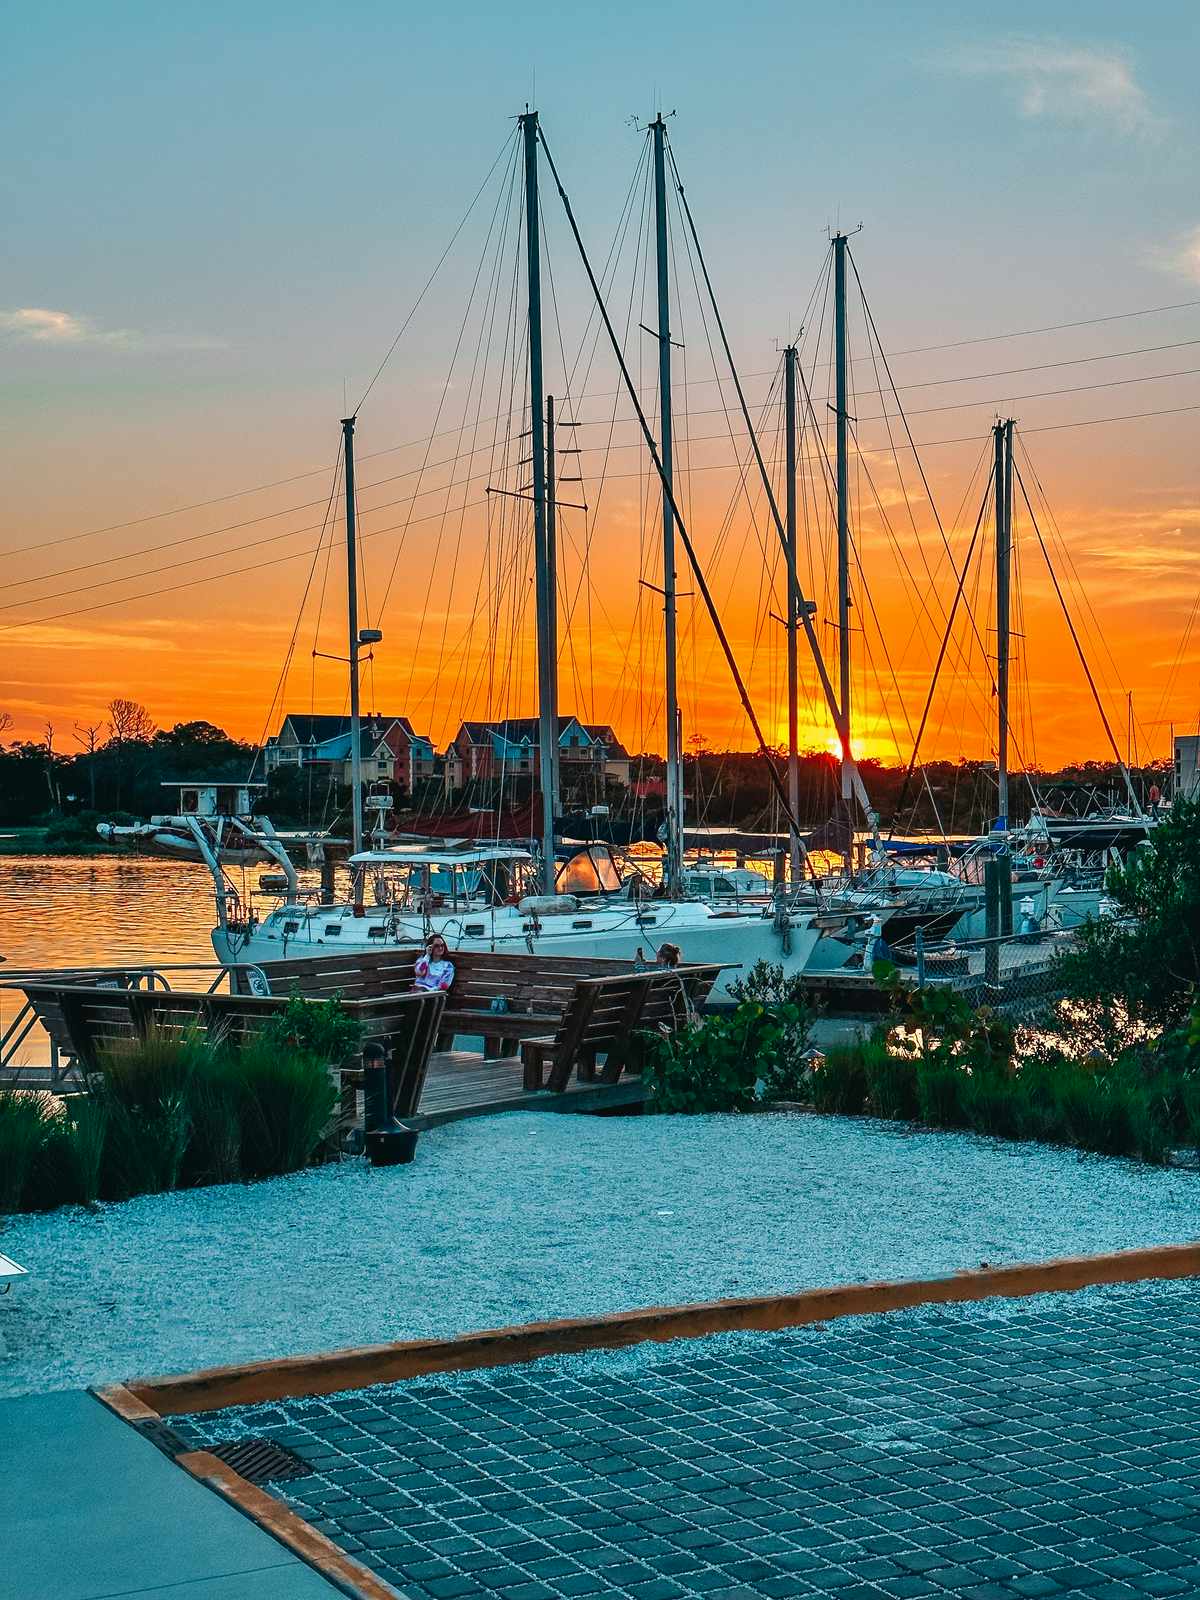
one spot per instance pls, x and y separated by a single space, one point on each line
434 970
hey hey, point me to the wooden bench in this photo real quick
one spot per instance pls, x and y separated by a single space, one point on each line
604 1017
44 1003
93 1018
535 990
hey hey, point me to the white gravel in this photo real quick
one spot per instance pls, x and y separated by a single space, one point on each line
525 1216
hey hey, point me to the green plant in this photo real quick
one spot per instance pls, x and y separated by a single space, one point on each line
314 1027
839 1080
286 1098
711 1064
939 1092
891 1081
144 1086
26 1126
214 1152
84 1137
1135 976
784 1029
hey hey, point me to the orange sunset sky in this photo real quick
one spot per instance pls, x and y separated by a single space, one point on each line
184 320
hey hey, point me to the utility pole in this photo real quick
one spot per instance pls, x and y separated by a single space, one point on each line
674 864
793 601
1004 484
356 805
843 502
543 573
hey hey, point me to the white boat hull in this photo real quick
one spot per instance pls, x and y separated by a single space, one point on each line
703 935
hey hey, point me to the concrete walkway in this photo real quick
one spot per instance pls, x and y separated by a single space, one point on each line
91 1510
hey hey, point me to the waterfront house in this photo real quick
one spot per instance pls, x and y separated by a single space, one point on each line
391 750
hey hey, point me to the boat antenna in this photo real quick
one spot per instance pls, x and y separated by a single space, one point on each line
669 495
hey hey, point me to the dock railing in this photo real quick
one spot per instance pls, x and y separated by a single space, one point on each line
54 1068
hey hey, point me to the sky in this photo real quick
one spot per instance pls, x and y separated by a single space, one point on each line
217 220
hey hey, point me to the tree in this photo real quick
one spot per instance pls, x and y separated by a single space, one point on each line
88 735
1136 974
131 728
129 722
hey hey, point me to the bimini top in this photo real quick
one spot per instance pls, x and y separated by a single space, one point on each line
422 856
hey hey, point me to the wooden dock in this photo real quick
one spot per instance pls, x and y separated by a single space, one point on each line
458 1084
461 1084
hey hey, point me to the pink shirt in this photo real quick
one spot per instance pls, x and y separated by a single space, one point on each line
433 974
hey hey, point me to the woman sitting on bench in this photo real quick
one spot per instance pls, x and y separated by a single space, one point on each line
434 970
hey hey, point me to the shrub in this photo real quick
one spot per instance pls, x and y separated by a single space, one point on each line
321 1028
785 1068
26 1126
891 1081
712 1064
1136 975
839 1081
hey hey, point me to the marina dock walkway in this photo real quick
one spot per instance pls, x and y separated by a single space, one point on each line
1035 1452
92 1510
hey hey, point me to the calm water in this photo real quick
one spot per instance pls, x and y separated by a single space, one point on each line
71 911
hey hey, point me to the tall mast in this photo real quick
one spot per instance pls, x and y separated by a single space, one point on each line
674 865
793 599
843 503
1004 484
356 798
544 577
552 586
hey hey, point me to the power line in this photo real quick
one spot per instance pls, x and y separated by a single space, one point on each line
720 466
262 488
484 449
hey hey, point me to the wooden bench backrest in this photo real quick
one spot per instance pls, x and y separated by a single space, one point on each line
93 1018
605 1012
528 983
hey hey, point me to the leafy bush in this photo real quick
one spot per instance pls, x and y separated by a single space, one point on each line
1136 975
711 1064
784 1066
321 1028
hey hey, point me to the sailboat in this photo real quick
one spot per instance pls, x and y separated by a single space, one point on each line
500 896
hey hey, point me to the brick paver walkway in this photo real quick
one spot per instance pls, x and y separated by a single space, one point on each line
1045 1449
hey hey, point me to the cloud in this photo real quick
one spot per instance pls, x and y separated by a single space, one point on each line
1181 256
41 325
1066 82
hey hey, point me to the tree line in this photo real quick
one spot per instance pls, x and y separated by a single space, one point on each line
118 767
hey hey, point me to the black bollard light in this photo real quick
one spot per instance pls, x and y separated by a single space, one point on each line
389 1143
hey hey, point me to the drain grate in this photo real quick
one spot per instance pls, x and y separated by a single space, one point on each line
261 1460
